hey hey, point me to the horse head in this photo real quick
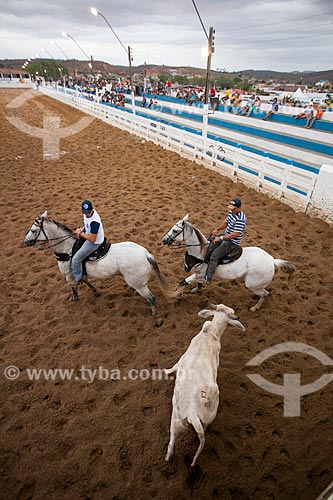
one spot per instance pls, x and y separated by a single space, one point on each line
176 233
37 232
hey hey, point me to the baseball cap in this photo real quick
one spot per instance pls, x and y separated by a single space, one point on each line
86 207
235 202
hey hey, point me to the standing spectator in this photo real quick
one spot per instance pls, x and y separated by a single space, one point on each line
274 109
143 102
212 92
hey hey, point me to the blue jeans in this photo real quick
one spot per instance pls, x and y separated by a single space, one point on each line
87 248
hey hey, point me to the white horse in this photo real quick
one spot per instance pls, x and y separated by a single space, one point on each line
256 266
129 259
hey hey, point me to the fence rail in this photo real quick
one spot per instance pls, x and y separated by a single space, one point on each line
288 183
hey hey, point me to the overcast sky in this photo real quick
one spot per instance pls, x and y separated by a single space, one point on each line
282 35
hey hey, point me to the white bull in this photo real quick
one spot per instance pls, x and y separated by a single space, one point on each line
196 394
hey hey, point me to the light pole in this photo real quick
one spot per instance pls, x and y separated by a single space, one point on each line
48 53
64 53
128 51
67 35
209 62
210 50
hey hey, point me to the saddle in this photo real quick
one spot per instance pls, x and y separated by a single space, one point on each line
233 255
101 251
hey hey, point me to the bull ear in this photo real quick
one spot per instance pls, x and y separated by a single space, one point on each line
186 218
236 323
205 313
44 215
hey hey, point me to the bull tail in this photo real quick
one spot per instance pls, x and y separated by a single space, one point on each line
195 421
285 265
167 290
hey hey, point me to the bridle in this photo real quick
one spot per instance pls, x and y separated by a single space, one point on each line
40 223
171 240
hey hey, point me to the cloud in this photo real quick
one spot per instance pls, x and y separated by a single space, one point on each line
266 34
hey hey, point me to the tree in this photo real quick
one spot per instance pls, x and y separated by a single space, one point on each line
163 77
47 69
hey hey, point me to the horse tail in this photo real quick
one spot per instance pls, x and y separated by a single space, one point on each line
166 289
285 265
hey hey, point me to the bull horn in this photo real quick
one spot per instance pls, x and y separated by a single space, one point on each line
212 306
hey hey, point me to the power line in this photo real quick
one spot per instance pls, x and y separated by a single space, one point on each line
277 39
284 31
202 24
277 22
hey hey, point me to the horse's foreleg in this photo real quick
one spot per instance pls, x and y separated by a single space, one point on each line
194 278
75 296
197 289
95 292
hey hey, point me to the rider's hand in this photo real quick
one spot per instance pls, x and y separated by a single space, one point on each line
215 232
217 239
78 231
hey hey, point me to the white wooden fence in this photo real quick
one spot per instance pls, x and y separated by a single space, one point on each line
288 183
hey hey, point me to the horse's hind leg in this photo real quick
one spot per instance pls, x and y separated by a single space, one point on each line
262 294
146 293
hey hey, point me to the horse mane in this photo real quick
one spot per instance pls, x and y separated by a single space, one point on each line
61 226
200 237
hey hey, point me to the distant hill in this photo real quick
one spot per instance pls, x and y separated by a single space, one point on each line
304 77
106 69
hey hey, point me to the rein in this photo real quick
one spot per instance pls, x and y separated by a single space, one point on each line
47 239
185 245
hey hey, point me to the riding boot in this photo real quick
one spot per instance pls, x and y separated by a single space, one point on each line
211 270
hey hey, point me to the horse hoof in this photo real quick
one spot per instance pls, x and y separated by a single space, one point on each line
158 322
183 282
97 294
253 309
73 298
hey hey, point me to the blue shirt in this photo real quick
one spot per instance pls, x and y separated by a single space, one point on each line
236 223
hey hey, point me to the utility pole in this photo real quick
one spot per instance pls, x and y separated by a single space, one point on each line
130 59
209 63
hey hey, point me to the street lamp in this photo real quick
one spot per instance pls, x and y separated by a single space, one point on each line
64 53
210 50
61 50
67 35
128 51
48 53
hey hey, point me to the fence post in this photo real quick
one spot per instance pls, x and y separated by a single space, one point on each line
286 177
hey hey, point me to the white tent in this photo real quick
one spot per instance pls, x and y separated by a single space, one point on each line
300 96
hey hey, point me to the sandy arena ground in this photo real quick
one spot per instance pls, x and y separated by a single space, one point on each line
71 440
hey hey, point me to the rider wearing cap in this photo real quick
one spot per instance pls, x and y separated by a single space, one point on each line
93 233
234 226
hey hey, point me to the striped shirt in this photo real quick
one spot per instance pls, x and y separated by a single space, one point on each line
236 222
